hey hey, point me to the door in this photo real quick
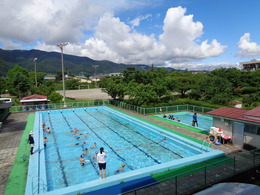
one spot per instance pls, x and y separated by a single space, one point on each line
238 134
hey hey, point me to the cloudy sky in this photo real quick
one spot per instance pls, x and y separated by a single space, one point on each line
193 34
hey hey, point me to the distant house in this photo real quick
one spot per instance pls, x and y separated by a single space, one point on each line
34 100
96 78
236 104
83 79
252 65
116 74
241 125
50 78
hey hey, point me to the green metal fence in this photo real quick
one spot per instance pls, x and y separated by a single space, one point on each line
157 110
140 110
202 177
42 107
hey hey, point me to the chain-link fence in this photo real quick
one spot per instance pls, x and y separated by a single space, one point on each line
199 178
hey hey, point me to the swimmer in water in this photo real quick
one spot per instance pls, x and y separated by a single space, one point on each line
122 168
75 130
95 145
95 155
81 134
85 152
78 144
82 160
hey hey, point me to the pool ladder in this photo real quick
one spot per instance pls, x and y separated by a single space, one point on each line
38 185
205 145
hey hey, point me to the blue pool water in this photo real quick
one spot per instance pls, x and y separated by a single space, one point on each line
126 140
204 122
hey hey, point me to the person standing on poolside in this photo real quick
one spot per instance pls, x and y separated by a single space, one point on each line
195 121
102 163
31 141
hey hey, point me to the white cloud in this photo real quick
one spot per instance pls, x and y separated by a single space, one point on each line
136 22
51 21
10 44
177 42
246 48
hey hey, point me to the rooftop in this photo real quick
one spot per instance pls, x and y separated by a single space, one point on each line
238 113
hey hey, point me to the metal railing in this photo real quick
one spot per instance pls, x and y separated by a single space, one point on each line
202 177
157 110
42 107
137 109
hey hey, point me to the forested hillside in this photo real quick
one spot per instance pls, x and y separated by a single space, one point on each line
50 62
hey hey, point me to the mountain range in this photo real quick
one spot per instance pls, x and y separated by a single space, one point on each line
50 63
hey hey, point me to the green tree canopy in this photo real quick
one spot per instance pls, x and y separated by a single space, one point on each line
18 81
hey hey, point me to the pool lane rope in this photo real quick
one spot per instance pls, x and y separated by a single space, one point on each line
148 155
130 167
92 163
180 156
58 152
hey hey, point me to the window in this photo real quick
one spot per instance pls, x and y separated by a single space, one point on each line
252 129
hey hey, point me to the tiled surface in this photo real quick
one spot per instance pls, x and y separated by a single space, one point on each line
10 136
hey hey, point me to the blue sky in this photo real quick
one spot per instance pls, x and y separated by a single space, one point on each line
193 34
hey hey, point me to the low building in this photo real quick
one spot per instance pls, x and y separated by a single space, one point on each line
252 65
50 78
34 100
83 79
116 74
243 126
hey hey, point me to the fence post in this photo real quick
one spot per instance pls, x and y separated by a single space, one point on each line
205 175
176 190
234 165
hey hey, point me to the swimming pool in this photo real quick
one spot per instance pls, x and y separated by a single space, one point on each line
204 122
139 145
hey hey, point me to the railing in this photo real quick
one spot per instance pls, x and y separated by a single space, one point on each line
157 110
140 110
42 107
200 178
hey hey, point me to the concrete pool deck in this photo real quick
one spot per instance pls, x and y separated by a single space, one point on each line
12 130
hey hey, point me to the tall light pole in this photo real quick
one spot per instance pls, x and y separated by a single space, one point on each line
35 59
95 66
61 45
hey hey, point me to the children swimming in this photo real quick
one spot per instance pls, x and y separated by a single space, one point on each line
94 146
82 160
122 168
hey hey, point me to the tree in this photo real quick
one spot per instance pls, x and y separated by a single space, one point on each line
252 100
182 82
72 84
113 86
3 82
40 78
140 94
55 97
18 81
215 89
